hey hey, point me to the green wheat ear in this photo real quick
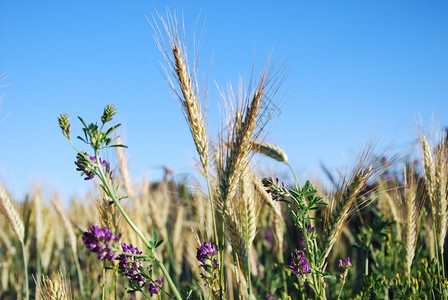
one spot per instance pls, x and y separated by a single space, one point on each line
270 150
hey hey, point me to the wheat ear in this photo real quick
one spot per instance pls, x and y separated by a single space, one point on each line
341 212
11 214
55 288
430 174
123 167
440 194
270 150
412 213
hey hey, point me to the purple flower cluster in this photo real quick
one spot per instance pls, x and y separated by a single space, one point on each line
129 265
84 163
298 264
104 242
154 287
99 240
275 188
206 255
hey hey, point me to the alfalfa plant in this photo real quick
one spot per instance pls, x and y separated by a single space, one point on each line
103 241
308 261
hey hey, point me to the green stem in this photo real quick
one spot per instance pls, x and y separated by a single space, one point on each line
103 282
115 281
221 253
25 268
212 206
340 291
296 181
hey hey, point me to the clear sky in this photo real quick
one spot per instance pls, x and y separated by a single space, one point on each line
357 69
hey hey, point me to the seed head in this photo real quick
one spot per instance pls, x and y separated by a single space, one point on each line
64 123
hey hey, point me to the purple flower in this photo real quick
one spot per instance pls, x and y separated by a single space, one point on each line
130 266
345 263
99 240
298 264
85 164
154 287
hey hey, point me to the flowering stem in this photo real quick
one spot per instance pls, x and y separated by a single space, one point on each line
340 291
111 193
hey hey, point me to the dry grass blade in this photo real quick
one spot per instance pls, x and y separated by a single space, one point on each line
11 214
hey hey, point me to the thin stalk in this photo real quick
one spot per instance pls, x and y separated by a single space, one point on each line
212 206
80 279
282 261
221 252
25 268
249 280
111 193
296 181
115 281
103 283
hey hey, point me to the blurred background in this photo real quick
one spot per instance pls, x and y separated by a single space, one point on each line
355 70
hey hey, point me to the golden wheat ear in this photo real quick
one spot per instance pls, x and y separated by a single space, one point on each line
9 210
341 203
57 287
183 81
413 205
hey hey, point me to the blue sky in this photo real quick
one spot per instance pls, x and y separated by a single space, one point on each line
357 69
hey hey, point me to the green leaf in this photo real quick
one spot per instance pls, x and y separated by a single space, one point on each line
82 139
